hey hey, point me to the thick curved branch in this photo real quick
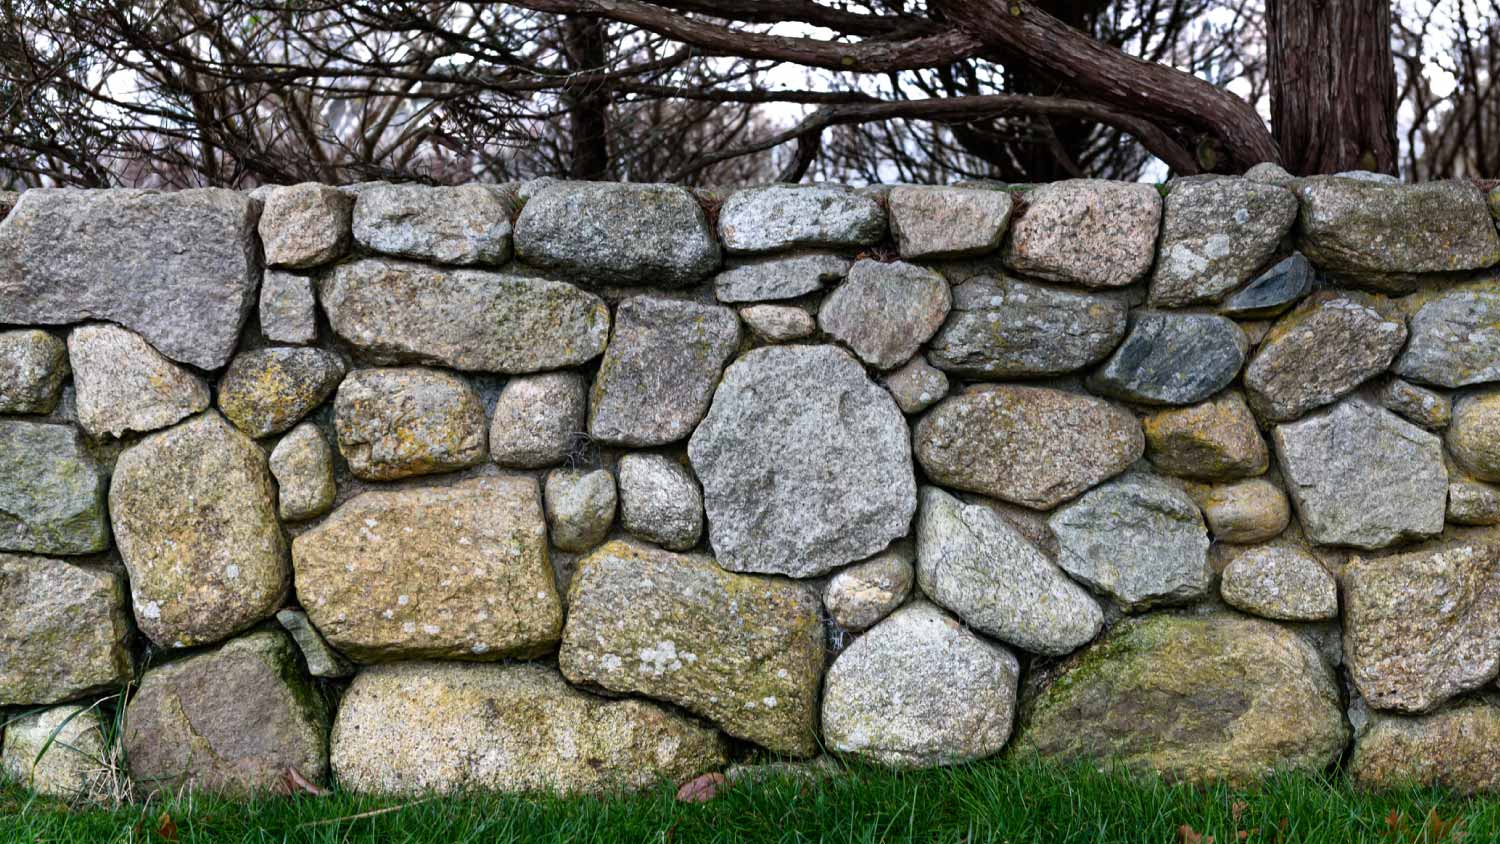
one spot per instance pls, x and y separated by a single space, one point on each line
803 11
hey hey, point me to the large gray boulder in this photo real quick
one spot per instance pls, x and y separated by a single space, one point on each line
1172 358
1455 336
267 391
64 631
1007 328
51 491
33 366
776 218
885 312
776 277
122 384
805 463
463 224
1457 748
1086 231
933 222
1215 235
398 423
305 225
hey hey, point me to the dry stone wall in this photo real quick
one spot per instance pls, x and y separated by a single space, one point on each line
590 486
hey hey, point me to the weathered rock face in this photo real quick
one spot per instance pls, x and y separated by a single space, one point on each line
972 562
1360 476
1086 231
305 225
465 224
861 595
1170 358
1244 512
1422 626
267 391
1360 227
51 491
1457 748
1215 440
745 652
916 386
778 323
659 372
1215 235
1417 405
617 233
1192 698
1455 336
1280 582
1273 291
322 660
288 308
400 312
1028 445
1007 328
779 277
660 501
178 268
420 727
232 720
918 690
581 507
776 218
1473 503
944 222
397 423
805 464
1474 436
537 418
885 312
1138 539
33 366
366 574
53 751
194 514
1330 344
302 464
64 631
125 385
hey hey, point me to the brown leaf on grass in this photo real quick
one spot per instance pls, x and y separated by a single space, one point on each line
703 788
1394 821
1187 835
295 783
166 828
1435 829
1237 809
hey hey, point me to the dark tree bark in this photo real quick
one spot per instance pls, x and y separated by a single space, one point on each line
1333 85
588 102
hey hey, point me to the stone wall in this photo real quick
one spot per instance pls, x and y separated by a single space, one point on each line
588 486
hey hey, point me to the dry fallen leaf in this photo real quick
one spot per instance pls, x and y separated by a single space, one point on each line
702 789
166 828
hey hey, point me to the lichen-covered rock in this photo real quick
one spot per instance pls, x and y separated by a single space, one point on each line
779 276
194 514
231 720
51 491
179 268
1330 344
397 423
402 312
1270 173
1171 358
125 385
1422 626
776 218
861 595
537 419
1215 234
1472 502
1417 405
288 308
1457 748
1274 290
745 652
916 385
1244 512
660 369
1455 336
1359 475
1007 328
885 312
1192 698
33 366
660 501
947 222
1138 539
302 463
450 572
1360 227
1086 231
805 464
778 323
1214 440
305 225
918 691
581 507
617 233
1280 582
1474 434
56 752
422 727
267 391
322 660
463 224
1028 445
64 631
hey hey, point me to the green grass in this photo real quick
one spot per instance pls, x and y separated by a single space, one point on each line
999 801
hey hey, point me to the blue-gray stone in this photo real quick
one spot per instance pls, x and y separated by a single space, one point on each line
1274 290
1172 359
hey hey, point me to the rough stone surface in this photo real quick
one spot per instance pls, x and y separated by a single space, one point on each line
537 419
947 222
401 312
397 423
776 218
1214 440
322 660
194 513
230 721
1270 173
1473 436
305 225
778 323
33 366
660 369
861 595
64 631
1457 748
1361 476
885 312
368 575
916 385
267 391
918 690
51 491
1280 582
617 233
1028 445
302 463
1418 405
1170 358
1248 511
1455 336
581 507
122 384
779 277
55 751
1471 502
1138 539
1330 344
805 464
1422 626
179 268
1086 231
1007 328
465 224
1362 227
1214 236
288 308
974 563
1214 697
659 501
421 727
1274 290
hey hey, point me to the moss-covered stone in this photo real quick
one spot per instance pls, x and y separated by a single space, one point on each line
51 491
1214 440
64 630
398 423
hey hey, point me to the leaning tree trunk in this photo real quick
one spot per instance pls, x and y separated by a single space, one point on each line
588 105
1333 85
